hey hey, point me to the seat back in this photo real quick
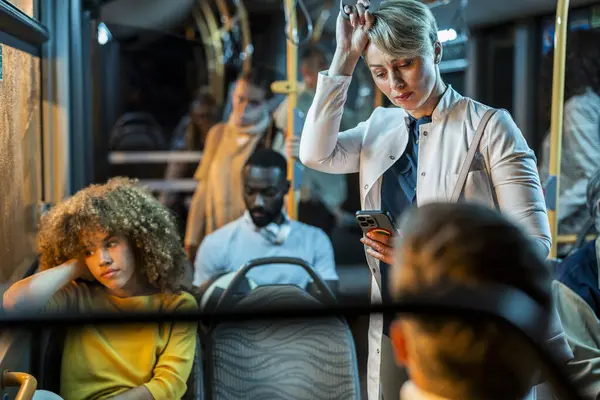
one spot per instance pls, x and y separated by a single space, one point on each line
137 131
299 358
195 382
53 343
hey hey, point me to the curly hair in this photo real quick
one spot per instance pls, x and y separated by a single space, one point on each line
582 70
119 207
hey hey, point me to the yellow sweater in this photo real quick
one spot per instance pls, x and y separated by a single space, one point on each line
102 361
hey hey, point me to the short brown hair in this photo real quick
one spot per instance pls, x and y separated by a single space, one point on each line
260 78
404 28
471 245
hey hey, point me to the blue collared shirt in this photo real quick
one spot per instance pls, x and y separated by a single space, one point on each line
399 192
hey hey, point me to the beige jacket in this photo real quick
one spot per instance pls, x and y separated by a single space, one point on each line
512 183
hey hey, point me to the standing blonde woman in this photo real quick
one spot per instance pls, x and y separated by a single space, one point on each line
413 154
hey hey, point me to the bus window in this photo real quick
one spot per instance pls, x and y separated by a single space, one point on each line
20 158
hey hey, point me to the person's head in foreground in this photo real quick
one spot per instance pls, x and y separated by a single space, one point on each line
403 54
465 358
126 238
265 186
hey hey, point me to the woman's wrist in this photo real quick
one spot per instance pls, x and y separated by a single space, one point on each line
343 63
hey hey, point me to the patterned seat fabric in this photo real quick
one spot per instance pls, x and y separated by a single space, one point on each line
282 359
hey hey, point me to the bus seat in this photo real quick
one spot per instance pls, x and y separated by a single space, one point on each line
195 382
209 293
49 378
298 358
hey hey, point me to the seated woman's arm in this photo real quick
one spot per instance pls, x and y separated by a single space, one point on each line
35 292
174 364
515 179
137 393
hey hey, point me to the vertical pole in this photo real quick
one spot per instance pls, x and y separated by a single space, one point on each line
215 35
292 75
246 35
558 89
209 52
378 97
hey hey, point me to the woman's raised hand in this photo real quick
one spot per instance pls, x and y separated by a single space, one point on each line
351 35
81 269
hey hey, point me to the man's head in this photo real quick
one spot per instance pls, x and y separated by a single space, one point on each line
312 61
203 115
593 198
203 112
249 100
470 245
265 186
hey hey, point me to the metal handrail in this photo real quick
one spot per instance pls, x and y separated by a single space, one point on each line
215 35
27 384
556 125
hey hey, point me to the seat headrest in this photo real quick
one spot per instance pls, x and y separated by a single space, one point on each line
274 297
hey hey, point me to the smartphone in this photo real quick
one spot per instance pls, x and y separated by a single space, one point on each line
376 221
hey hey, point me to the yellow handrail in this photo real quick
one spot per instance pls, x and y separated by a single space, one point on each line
570 239
292 74
209 51
242 16
290 88
378 97
27 384
558 89
225 16
246 35
214 34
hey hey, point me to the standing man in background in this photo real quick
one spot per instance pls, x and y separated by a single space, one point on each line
218 198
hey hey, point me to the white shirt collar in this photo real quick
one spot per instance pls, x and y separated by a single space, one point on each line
274 233
410 391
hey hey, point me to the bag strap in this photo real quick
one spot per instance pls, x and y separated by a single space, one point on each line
464 170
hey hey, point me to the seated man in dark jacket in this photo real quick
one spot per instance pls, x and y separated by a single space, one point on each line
579 271
576 293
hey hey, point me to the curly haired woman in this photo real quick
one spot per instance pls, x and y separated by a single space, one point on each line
113 247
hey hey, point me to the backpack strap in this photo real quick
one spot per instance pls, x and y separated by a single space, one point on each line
464 170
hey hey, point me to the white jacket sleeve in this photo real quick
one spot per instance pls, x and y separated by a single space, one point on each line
515 179
322 146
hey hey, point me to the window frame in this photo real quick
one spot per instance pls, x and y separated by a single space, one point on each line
21 31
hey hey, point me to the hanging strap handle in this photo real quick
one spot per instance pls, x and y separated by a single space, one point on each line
464 170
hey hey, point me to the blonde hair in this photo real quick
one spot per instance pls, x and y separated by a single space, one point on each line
121 207
404 28
468 244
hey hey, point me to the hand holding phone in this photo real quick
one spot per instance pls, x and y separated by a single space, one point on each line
379 229
376 221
